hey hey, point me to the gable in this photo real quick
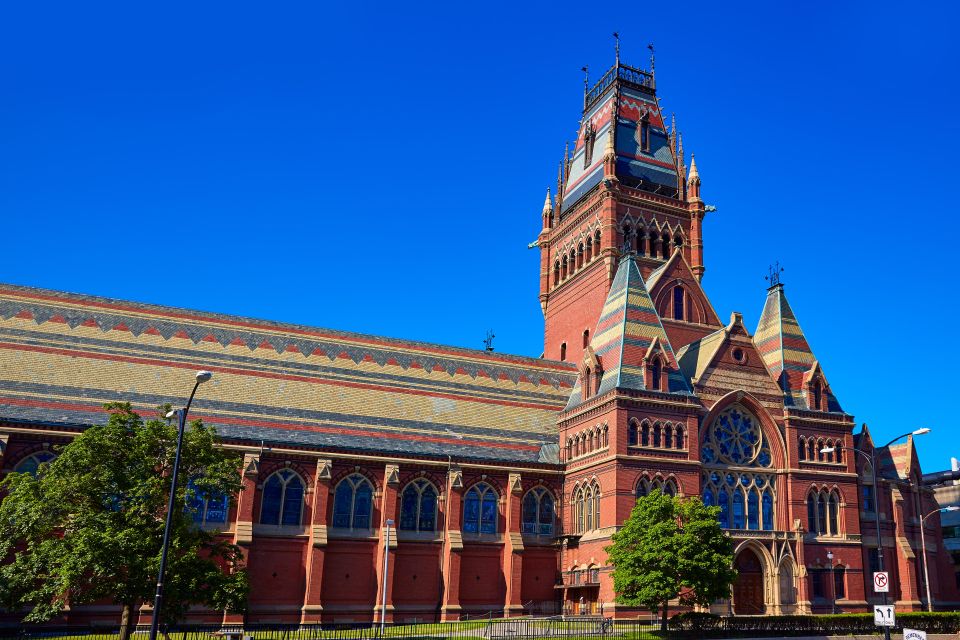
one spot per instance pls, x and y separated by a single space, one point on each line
697 317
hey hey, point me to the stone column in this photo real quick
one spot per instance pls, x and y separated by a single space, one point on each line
803 588
317 548
243 526
453 545
388 511
513 547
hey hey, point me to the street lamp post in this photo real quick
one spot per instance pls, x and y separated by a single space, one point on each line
923 550
386 570
872 457
833 584
202 376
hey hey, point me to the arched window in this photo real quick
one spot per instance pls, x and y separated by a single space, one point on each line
282 502
627 237
587 387
653 244
480 509
665 246
680 437
353 503
788 591
589 248
596 506
538 512
418 507
669 488
31 464
563 351
811 513
578 506
633 434
802 448
656 434
596 243
821 515
580 255
747 498
677 241
645 434
641 241
820 453
656 370
204 508
678 303
838 454
563 268
668 436
833 508
811 450
586 338
643 488
556 273
588 508
817 393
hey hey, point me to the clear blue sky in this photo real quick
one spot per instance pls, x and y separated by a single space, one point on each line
381 168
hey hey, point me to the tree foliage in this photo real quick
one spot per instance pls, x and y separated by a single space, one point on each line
89 527
671 548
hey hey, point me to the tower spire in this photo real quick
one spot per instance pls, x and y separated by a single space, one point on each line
586 83
653 65
616 37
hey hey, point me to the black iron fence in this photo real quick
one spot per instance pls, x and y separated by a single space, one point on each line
483 629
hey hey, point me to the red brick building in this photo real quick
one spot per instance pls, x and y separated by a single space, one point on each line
505 475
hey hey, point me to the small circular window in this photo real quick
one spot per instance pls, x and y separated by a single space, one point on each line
739 355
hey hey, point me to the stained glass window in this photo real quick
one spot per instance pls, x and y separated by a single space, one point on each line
537 512
31 464
205 509
282 499
418 506
353 503
480 509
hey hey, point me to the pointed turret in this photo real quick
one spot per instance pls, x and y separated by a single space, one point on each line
788 356
547 211
693 182
630 346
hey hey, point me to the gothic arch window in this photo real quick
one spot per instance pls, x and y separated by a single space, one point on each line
31 464
573 261
578 500
556 273
563 351
665 245
656 372
653 244
586 387
580 255
418 506
596 243
641 240
480 509
645 486
839 582
589 249
788 590
811 453
633 434
737 459
644 132
586 338
668 436
563 268
820 447
353 503
678 303
645 434
677 241
833 513
802 448
538 512
588 508
680 439
206 508
589 135
627 232
816 390
282 502
657 429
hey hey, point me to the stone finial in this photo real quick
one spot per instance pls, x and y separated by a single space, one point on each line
515 485
324 470
392 474
547 205
251 465
456 477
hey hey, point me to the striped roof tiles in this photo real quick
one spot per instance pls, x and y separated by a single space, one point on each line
63 355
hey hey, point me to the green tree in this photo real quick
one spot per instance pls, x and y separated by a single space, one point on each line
89 527
671 548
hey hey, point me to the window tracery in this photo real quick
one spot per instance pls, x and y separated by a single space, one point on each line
538 512
823 512
31 464
480 509
353 503
418 506
282 502
733 444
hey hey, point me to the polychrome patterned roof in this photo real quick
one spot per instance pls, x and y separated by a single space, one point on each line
785 350
627 328
63 355
654 167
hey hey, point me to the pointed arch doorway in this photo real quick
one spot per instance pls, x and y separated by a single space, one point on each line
748 587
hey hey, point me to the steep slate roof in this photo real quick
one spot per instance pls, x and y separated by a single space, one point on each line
627 328
631 94
63 355
785 350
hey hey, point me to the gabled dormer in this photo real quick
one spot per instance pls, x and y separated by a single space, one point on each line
681 302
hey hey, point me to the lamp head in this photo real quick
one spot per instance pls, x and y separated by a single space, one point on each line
204 376
828 450
171 413
952 507
921 431
829 555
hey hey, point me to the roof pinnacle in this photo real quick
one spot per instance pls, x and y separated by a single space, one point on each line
693 168
547 205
